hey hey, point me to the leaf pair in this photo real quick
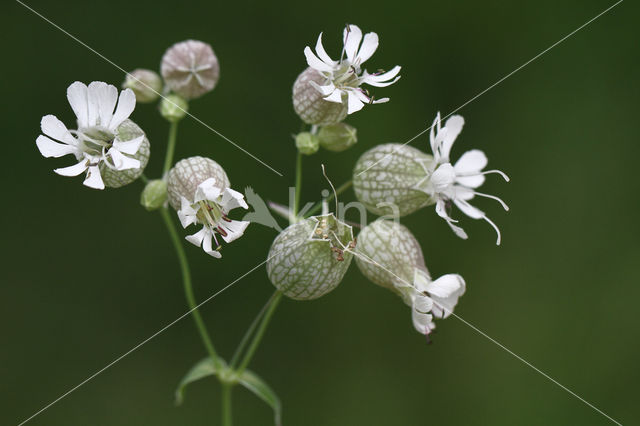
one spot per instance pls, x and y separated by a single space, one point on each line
247 378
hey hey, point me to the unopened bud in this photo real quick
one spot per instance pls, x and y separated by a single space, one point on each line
337 137
173 108
190 68
146 84
154 195
307 143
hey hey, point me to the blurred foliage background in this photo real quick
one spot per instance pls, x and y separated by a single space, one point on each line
86 275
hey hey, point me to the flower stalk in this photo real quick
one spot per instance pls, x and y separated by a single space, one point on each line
188 287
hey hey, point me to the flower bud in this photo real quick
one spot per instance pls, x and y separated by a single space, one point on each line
187 174
190 68
385 177
388 254
112 178
307 143
146 85
173 108
337 137
309 104
154 195
309 258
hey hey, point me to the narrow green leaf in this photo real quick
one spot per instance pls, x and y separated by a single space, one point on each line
202 369
255 384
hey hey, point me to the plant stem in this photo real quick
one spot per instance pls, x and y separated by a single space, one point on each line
186 281
260 332
226 405
249 332
296 203
339 191
171 147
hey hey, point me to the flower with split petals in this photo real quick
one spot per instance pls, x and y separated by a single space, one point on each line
389 255
105 139
210 208
342 79
198 189
446 183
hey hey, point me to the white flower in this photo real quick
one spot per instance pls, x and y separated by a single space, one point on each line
430 299
210 207
96 141
455 184
344 77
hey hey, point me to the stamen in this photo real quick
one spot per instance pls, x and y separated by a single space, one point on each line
335 194
494 227
493 197
221 231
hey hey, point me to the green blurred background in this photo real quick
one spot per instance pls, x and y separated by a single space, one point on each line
86 275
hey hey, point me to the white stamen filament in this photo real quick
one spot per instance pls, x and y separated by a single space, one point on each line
493 197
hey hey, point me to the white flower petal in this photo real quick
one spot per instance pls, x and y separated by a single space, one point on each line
457 230
369 46
232 199
422 322
207 190
121 161
422 304
102 98
234 229
454 127
74 170
50 148
336 96
77 96
351 38
468 209
130 147
447 286
54 128
473 181
443 177
322 54
355 104
380 101
324 90
386 76
471 162
126 105
432 137
316 63
196 239
94 179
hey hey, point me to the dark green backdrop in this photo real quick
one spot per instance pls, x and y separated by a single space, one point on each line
86 275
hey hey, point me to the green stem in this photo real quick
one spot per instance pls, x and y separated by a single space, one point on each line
186 281
226 405
315 209
260 332
249 332
171 147
296 203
